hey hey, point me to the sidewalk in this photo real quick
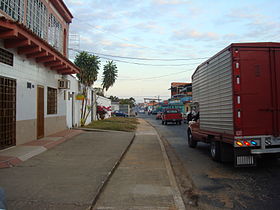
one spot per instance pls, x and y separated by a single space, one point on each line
15 155
144 179
91 170
69 176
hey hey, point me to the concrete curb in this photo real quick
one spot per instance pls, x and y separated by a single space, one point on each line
10 162
100 130
109 175
179 202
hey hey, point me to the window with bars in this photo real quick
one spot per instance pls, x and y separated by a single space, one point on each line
55 33
37 18
7 112
52 101
6 57
13 8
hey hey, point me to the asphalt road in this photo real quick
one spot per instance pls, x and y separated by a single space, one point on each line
220 185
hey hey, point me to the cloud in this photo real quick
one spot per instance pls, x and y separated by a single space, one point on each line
149 26
257 26
194 35
170 2
71 3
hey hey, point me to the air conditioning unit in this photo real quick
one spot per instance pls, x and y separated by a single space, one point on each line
63 84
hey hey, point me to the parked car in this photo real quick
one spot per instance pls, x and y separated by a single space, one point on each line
159 114
120 114
141 111
154 112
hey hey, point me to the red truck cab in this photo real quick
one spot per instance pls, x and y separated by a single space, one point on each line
171 115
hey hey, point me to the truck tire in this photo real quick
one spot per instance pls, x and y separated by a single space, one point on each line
162 122
227 152
180 122
215 150
191 142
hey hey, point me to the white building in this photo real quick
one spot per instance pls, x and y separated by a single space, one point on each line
35 99
105 102
115 106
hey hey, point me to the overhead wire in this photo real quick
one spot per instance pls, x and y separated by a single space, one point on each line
136 63
139 58
120 38
157 77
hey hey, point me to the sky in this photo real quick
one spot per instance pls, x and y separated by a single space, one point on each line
156 42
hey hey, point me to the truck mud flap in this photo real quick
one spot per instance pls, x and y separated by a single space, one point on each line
243 158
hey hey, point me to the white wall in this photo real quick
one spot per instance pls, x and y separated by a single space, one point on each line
77 104
73 106
25 70
90 102
102 101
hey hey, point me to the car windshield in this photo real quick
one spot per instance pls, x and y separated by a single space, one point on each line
171 111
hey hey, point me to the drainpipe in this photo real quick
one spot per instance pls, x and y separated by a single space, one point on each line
73 107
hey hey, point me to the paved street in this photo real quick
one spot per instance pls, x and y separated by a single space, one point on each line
208 184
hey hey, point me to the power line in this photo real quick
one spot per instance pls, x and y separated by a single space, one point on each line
148 59
136 63
146 64
148 78
120 38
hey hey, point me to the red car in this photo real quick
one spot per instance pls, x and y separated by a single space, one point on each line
171 115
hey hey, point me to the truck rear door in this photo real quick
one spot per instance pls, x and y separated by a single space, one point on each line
260 90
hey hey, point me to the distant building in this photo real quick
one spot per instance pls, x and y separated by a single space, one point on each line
115 106
180 88
104 102
181 96
125 108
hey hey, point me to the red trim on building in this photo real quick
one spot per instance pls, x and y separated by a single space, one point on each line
63 10
16 35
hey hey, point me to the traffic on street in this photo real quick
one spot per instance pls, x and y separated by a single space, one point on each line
208 184
143 105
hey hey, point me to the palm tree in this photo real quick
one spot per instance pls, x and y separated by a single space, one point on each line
109 75
89 66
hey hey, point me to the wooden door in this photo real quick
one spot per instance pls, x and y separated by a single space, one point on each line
40 112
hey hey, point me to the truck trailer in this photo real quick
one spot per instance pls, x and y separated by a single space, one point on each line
236 94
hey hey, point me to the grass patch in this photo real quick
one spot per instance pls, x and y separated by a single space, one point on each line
115 123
